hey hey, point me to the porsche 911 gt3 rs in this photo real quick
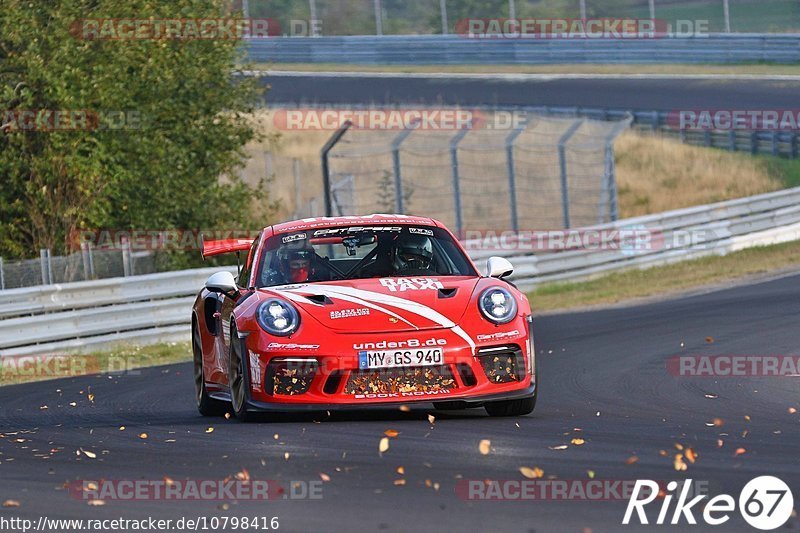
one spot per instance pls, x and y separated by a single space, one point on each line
349 312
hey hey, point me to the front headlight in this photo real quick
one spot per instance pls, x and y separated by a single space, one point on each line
498 305
278 317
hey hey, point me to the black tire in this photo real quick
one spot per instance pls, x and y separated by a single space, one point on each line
207 405
521 407
238 378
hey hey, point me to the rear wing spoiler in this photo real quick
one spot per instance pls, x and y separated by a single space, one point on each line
226 246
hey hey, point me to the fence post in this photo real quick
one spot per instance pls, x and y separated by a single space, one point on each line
732 140
512 175
562 161
326 175
457 179
445 23
47 267
398 178
608 193
88 263
378 17
776 149
794 145
2 276
126 258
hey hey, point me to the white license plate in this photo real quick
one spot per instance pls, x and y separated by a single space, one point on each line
400 358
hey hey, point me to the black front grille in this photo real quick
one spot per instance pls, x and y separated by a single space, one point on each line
399 380
502 364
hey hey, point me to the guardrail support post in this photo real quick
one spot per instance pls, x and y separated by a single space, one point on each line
398 177
47 267
512 175
326 174
457 179
2 276
794 145
562 161
776 149
732 140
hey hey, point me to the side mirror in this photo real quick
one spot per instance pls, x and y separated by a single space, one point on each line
499 267
223 282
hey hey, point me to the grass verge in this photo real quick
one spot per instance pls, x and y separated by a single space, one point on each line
757 69
122 360
664 280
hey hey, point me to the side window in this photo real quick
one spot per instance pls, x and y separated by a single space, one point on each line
244 277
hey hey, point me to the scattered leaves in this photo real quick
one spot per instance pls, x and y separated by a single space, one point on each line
578 442
96 503
399 482
431 419
383 445
739 451
210 430
244 475
391 433
11 503
405 408
792 410
679 465
631 460
590 473
324 477
90 455
142 435
559 447
709 340
401 470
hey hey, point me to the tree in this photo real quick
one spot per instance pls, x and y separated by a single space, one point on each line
167 118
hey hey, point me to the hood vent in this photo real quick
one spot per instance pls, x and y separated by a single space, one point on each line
319 299
448 293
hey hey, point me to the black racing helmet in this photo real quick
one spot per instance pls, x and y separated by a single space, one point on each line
412 252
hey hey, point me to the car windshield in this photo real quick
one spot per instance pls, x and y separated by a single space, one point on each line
343 253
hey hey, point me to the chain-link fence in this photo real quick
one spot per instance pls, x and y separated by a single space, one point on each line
410 17
546 173
87 264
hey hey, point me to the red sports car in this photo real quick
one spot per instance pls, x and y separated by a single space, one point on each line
348 312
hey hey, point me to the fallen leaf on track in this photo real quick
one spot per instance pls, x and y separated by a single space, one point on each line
559 447
484 446
142 435
209 430
96 503
383 445
739 451
324 477
679 465
631 460
431 419
792 410
90 455
391 433
11 503
399 482
691 456
531 473
578 442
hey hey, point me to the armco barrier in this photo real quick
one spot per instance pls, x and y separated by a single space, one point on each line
156 307
457 50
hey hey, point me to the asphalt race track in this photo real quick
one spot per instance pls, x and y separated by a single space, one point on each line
634 93
603 372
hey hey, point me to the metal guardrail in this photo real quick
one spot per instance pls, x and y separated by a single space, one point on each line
458 50
156 308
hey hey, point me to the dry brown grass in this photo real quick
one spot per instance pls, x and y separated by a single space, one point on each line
657 174
654 173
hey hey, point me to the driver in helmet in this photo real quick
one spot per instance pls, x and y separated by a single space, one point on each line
295 265
412 255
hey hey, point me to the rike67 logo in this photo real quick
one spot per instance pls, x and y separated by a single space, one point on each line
765 503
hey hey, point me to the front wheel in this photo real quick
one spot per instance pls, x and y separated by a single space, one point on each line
520 407
237 377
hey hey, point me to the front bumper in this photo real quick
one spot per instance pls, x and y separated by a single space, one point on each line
466 402
469 376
